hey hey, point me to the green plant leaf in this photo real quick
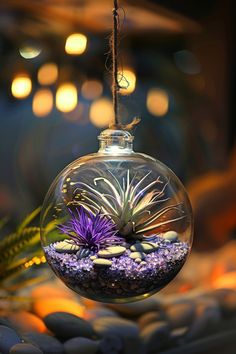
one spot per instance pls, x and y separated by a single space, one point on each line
17 285
4 221
17 244
29 218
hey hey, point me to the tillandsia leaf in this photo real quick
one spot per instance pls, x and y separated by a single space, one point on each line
120 190
129 185
84 201
107 209
156 226
129 204
144 203
128 228
86 206
149 204
161 212
96 206
99 196
126 212
117 197
132 193
90 231
142 192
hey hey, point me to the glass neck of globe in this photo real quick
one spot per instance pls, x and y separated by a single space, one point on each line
115 142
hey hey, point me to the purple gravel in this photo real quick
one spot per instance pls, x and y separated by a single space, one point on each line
124 278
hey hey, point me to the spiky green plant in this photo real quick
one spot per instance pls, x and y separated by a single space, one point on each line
20 251
131 205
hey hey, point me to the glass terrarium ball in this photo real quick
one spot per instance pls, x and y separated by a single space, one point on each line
116 225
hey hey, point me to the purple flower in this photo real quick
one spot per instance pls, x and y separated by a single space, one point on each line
90 231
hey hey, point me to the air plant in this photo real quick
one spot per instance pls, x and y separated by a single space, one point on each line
90 231
130 204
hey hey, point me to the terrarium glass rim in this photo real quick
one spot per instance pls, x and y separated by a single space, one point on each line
115 142
116 134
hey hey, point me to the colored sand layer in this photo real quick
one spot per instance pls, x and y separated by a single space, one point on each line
125 277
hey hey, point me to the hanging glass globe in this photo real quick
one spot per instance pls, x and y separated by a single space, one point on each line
116 225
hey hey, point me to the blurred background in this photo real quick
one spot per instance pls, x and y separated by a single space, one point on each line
55 97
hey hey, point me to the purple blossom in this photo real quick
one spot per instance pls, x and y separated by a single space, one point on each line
90 231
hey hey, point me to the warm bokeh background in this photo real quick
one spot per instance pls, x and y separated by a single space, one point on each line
178 57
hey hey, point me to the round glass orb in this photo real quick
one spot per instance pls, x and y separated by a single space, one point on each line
116 226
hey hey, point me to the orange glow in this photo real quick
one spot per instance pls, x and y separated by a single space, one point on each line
51 291
27 322
44 307
42 102
127 80
101 112
91 304
76 44
157 102
185 288
226 281
218 270
21 86
48 74
91 89
66 97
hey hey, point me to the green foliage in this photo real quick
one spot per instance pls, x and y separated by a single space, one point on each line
3 222
17 250
16 243
29 218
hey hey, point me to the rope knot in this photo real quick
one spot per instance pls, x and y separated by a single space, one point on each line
115 12
129 127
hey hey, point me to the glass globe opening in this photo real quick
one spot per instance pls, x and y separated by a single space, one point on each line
116 226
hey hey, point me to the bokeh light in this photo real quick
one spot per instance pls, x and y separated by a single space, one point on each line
157 102
45 306
127 80
66 97
29 52
92 89
21 86
48 74
101 112
42 103
76 44
26 322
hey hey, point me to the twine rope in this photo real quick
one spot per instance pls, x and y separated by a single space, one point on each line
115 84
117 124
